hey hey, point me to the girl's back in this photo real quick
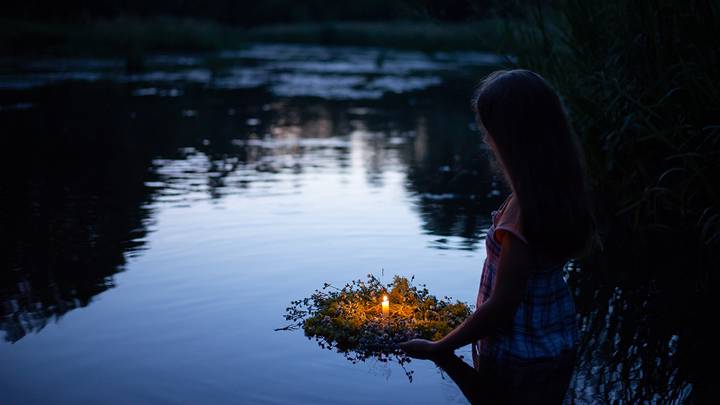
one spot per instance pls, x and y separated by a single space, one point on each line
531 359
544 326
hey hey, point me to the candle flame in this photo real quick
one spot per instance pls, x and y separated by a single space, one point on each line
385 298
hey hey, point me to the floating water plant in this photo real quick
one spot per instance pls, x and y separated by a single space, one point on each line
366 319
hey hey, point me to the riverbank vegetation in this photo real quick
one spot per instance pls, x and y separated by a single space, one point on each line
122 35
118 36
105 28
641 81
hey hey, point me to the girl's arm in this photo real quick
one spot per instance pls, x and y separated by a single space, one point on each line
512 275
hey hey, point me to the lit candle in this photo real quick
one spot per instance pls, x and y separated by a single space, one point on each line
385 306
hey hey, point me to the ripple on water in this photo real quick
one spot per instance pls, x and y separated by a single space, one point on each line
336 73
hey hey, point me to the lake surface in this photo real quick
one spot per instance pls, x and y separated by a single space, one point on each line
163 217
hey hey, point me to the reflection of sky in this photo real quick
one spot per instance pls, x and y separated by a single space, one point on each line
277 165
251 200
285 155
251 206
342 73
192 318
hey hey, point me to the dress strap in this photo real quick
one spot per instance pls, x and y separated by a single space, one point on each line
499 211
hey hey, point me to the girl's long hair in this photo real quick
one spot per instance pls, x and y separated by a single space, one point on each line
541 156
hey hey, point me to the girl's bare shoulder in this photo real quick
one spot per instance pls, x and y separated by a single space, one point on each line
509 220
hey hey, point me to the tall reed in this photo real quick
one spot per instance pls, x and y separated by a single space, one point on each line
641 81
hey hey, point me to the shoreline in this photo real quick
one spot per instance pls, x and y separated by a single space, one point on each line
133 36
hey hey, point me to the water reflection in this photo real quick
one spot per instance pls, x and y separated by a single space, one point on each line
284 70
96 153
94 164
74 210
628 352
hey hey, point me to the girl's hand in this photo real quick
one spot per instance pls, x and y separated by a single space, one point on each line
422 349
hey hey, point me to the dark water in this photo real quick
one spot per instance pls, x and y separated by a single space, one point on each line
160 221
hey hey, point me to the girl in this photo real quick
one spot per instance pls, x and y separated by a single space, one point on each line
523 331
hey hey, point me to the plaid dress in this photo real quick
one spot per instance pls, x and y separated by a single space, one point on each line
544 326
